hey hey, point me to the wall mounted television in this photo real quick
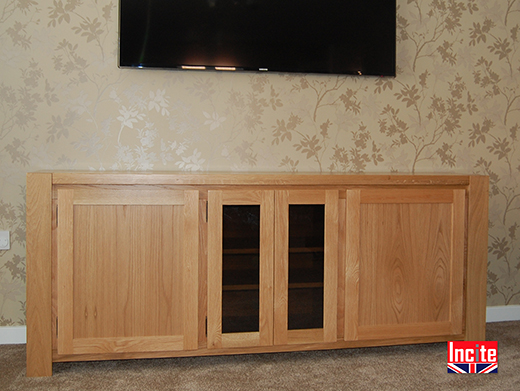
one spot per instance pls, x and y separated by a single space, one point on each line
353 37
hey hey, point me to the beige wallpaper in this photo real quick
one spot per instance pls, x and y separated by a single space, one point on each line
454 107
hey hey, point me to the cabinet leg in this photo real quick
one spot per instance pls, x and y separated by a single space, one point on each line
476 276
38 270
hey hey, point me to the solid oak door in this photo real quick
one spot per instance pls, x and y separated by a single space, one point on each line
306 259
126 270
405 263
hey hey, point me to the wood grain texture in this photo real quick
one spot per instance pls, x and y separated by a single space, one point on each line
405 262
241 340
65 271
190 271
54 267
100 196
267 232
293 347
330 199
476 274
256 179
126 273
214 332
38 271
458 261
342 254
306 197
407 196
281 267
422 329
305 336
203 272
352 243
330 299
216 199
135 267
128 344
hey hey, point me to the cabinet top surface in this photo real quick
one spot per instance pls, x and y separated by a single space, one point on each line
252 178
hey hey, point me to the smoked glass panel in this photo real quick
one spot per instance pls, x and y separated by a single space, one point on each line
240 268
306 261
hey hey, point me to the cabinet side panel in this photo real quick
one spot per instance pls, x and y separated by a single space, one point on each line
39 319
477 258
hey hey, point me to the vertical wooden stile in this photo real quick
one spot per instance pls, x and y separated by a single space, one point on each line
266 268
330 301
353 220
203 272
341 266
38 271
214 269
65 256
281 268
190 276
458 243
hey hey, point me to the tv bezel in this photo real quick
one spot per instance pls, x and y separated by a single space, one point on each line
261 69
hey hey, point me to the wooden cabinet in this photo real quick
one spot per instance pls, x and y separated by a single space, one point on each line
137 265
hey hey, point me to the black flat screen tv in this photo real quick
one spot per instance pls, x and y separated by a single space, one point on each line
356 37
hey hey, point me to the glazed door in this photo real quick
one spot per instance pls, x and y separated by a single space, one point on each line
306 256
405 263
126 270
272 261
240 268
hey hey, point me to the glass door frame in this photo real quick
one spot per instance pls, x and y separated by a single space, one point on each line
330 199
274 267
216 200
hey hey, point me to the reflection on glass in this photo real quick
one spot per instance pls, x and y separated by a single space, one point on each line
306 266
240 268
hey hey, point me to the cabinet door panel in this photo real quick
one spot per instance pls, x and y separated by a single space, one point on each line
127 272
306 251
279 300
404 272
240 268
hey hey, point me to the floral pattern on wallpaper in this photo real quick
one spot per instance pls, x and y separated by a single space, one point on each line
453 107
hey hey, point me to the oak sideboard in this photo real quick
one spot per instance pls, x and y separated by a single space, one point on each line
124 265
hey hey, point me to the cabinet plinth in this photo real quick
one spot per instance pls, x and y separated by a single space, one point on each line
123 265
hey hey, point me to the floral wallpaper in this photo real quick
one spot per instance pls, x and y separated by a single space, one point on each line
453 107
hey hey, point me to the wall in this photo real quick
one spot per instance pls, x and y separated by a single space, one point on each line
454 107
